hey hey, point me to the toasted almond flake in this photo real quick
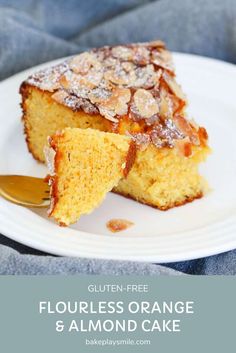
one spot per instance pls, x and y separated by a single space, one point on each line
128 66
194 124
183 124
110 62
117 102
74 102
108 114
119 76
141 55
99 95
65 81
166 56
123 53
174 87
92 79
145 103
81 63
163 59
60 96
48 79
156 77
49 85
145 77
75 84
165 105
70 80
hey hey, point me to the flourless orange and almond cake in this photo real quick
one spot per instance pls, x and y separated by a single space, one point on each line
129 90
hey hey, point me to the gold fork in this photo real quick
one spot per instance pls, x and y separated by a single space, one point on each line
24 190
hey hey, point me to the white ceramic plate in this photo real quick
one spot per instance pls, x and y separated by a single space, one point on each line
201 228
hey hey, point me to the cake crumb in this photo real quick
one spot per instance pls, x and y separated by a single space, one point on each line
117 225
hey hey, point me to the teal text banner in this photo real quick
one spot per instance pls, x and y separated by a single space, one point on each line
117 314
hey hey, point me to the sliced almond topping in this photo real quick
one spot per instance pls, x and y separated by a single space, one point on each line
119 76
127 74
157 77
166 56
145 77
145 103
60 96
110 62
49 85
99 95
81 63
174 87
92 79
182 124
194 124
108 114
75 84
114 77
117 102
48 79
51 82
123 53
141 55
128 66
74 81
163 59
70 80
74 102
166 106
186 128
112 103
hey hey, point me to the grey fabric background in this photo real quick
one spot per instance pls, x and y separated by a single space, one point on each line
32 32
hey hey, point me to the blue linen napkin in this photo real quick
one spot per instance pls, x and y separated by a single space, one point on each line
33 32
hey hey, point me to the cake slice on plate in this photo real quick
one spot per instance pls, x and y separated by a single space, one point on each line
84 166
127 90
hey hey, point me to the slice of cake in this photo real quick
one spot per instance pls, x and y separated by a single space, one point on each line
84 166
128 90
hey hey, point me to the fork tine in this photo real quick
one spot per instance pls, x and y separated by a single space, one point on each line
24 190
